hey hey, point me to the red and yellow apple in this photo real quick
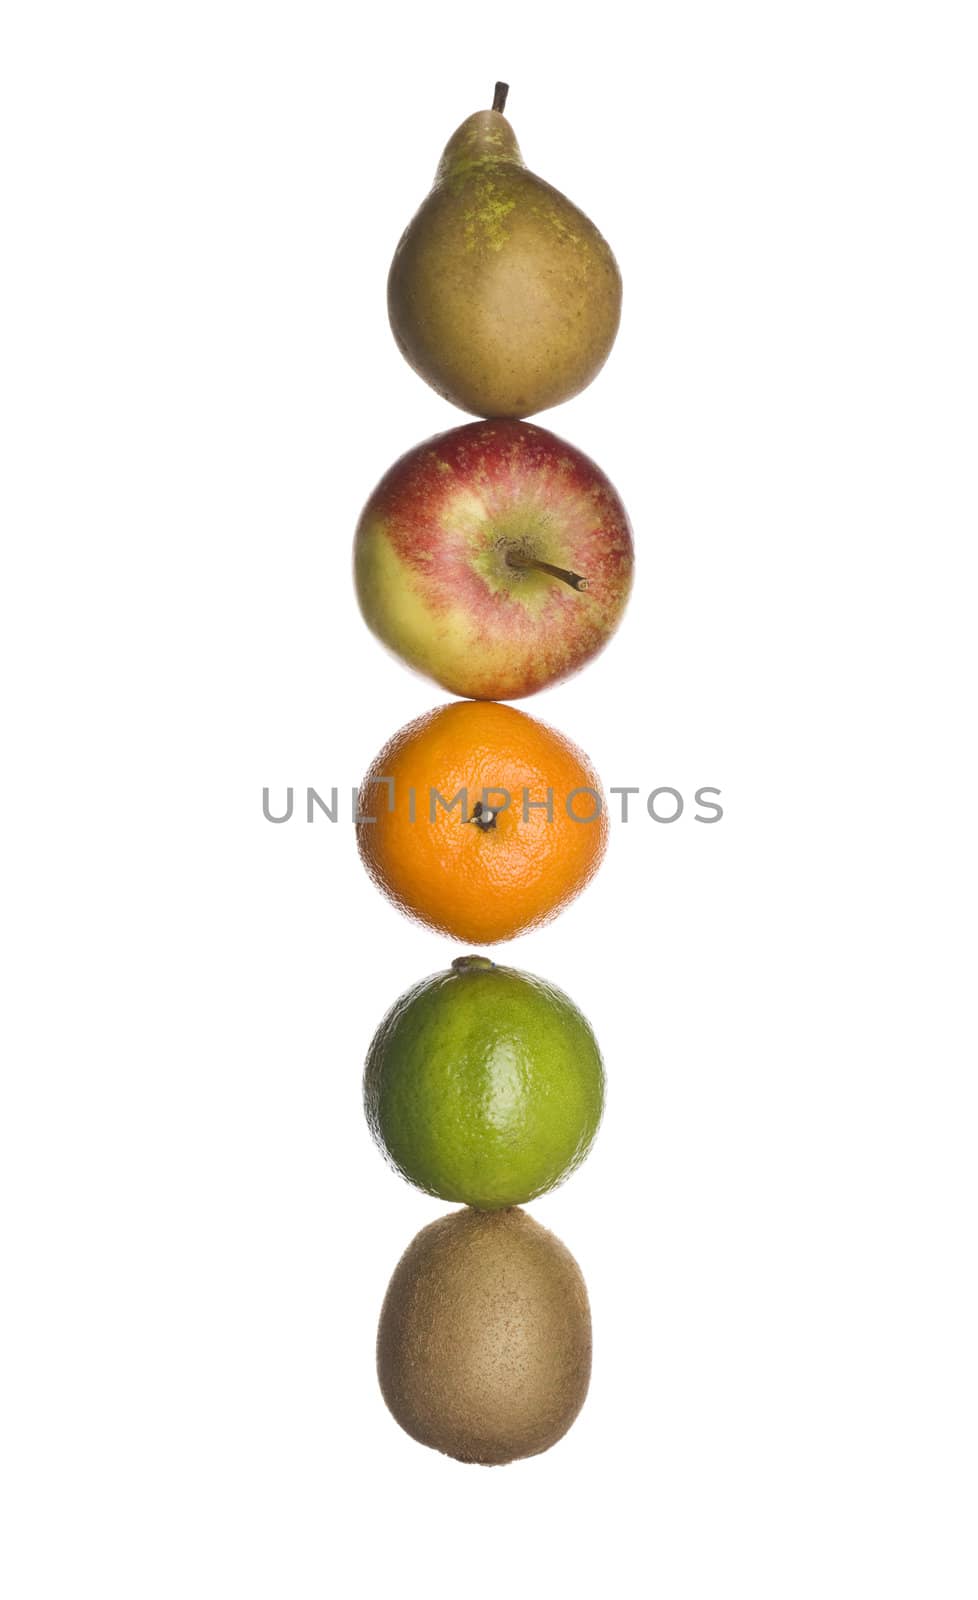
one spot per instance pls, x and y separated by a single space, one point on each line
495 558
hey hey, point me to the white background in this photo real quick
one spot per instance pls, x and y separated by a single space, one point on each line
777 1224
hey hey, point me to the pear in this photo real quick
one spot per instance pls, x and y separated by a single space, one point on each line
502 295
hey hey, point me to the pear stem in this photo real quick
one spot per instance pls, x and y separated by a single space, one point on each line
499 97
514 559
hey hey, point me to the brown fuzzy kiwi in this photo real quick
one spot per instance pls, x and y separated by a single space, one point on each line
484 1343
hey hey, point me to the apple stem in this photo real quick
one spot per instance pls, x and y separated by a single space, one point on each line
499 97
574 579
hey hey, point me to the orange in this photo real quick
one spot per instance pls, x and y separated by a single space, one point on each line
485 822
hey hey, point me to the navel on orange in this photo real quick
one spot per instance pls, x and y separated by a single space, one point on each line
480 821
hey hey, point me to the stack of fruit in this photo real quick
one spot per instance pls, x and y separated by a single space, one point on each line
497 559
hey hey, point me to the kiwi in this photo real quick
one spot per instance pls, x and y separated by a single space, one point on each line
484 1343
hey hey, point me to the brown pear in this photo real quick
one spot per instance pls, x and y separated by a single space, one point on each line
502 294
484 1344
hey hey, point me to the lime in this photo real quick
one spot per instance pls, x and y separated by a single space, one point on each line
484 1085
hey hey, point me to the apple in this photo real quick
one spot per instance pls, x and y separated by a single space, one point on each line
495 558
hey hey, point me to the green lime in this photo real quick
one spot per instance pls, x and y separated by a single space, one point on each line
484 1085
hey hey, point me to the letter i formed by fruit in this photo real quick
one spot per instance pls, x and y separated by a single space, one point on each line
496 559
